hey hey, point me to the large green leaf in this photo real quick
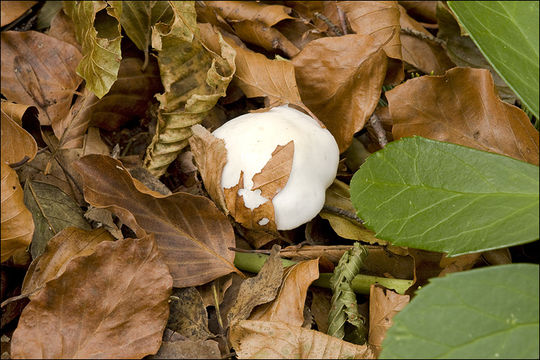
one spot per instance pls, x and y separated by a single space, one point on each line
100 44
484 313
444 197
507 34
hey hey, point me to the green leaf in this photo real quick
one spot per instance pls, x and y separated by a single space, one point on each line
507 34
52 210
438 196
490 312
193 79
100 44
344 308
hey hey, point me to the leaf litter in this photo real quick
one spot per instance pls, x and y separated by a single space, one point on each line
102 285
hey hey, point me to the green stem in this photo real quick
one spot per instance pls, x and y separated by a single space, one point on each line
253 262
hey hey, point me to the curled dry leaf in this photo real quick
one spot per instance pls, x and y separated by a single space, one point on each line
17 143
39 70
343 91
277 340
288 306
248 10
270 180
192 234
384 304
17 222
211 156
424 55
11 10
67 245
259 289
109 304
462 107
266 37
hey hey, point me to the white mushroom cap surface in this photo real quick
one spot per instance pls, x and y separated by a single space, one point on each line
250 140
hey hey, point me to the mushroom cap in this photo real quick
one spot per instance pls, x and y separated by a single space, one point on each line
250 140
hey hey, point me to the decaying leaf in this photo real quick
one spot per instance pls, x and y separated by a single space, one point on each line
338 196
110 304
11 10
211 156
192 234
188 316
340 80
288 306
462 107
248 10
52 211
276 340
188 349
68 244
17 143
270 180
268 38
320 307
16 220
384 304
259 289
62 28
100 47
39 70
424 55
193 78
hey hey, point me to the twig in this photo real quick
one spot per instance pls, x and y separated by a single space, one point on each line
20 163
336 30
342 20
422 36
343 213
249 251
376 125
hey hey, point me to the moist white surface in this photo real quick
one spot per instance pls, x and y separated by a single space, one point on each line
250 140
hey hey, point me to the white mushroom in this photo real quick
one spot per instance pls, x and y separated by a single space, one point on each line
250 140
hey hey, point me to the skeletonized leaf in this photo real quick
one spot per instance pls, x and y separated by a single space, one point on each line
276 340
17 222
427 194
249 10
101 49
344 92
462 107
193 78
192 234
288 306
67 245
110 304
31 73
52 211
17 143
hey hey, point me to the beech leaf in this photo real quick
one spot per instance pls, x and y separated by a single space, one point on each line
111 304
248 10
462 107
31 73
188 316
427 194
17 143
192 234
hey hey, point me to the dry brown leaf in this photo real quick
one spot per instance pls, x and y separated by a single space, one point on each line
462 107
258 290
288 306
424 55
65 246
188 349
16 221
17 143
110 304
212 293
340 80
268 38
250 10
384 304
188 316
93 144
12 10
425 11
458 263
211 156
320 307
276 340
130 95
62 29
298 32
192 234
39 70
